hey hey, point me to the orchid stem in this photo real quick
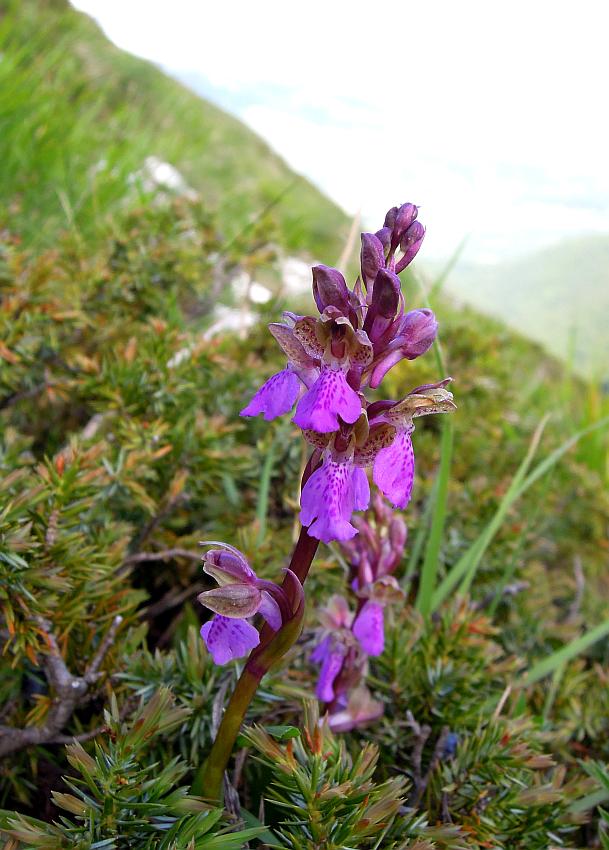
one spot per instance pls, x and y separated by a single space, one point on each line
272 646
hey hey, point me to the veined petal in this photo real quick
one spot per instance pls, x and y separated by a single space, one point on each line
228 639
232 600
369 628
275 397
394 470
270 610
329 397
327 502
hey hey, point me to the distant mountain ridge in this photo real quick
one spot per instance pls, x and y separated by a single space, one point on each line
558 297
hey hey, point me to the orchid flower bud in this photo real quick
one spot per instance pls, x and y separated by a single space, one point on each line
372 258
330 289
386 296
419 328
410 243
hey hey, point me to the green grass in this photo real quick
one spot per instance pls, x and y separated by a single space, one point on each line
78 116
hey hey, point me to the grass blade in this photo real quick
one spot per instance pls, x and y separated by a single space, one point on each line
429 570
553 662
422 531
465 568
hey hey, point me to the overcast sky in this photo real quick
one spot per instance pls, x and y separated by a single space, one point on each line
491 116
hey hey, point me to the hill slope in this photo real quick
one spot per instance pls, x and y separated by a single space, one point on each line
559 297
79 116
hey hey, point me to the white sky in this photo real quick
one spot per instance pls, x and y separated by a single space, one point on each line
492 116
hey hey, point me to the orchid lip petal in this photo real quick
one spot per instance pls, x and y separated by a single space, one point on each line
275 397
329 397
227 639
327 502
368 628
393 471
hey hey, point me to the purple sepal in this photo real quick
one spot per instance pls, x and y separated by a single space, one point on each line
330 289
384 365
328 500
369 628
394 470
419 328
228 566
227 639
410 244
329 397
275 397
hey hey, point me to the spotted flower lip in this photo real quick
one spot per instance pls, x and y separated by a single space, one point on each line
329 498
329 397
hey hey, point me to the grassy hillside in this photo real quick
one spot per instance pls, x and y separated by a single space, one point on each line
78 116
559 297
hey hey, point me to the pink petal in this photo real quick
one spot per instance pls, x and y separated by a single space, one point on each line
394 470
332 657
327 502
329 397
270 611
361 490
277 396
384 365
369 628
228 639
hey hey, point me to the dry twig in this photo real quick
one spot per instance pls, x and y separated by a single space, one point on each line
69 692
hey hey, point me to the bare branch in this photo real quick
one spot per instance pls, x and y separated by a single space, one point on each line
171 599
69 692
165 555
92 671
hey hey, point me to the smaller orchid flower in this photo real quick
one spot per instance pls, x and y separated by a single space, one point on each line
369 625
360 710
337 649
240 595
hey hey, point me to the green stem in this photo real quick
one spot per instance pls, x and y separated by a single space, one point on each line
272 646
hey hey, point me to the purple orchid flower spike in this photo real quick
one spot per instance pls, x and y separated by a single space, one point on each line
332 652
240 595
358 337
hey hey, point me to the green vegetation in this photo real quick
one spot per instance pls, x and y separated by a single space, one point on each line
78 118
121 448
